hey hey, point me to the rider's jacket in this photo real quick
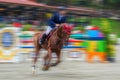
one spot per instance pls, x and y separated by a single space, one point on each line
56 19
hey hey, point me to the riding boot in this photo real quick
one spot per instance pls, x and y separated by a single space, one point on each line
43 39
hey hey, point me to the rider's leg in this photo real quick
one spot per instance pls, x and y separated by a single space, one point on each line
45 35
43 39
48 30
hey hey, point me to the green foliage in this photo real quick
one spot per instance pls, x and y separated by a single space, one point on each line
107 26
2 25
106 29
111 50
82 2
114 4
71 20
111 4
26 27
84 19
95 22
58 2
79 28
115 26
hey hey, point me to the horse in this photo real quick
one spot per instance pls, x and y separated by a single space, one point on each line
54 43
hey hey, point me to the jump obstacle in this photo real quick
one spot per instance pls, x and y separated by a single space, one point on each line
91 42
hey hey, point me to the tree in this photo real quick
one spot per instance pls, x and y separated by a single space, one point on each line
114 4
58 2
111 4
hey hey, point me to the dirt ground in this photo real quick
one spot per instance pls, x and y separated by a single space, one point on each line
67 70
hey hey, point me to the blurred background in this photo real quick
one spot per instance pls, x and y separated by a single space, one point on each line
95 37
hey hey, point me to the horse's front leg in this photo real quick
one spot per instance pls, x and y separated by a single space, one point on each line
58 53
47 60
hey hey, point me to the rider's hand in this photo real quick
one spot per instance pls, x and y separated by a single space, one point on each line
57 25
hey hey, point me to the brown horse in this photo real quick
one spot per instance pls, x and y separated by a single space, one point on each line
54 43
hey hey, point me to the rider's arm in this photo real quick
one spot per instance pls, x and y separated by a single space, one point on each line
63 21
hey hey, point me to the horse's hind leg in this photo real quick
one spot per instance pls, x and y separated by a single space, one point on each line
37 49
58 59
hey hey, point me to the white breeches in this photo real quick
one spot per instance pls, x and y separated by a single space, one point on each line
48 30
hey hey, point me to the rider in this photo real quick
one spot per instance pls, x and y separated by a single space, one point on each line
55 21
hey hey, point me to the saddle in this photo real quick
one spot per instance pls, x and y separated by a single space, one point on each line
44 37
50 34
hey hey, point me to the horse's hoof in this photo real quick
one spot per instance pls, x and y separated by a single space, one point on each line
53 64
45 68
33 71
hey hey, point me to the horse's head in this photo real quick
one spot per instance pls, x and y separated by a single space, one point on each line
67 28
64 31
